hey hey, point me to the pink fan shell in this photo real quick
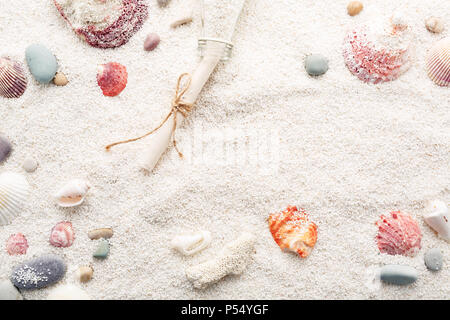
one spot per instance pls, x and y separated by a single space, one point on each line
62 235
17 244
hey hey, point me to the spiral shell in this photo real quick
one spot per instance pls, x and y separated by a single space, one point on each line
62 235
438 62
13 195
73 193
17 244
13 81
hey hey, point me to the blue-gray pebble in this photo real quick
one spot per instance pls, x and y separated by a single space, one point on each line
5 149
42 63
433 259
399 275
39 273
316 64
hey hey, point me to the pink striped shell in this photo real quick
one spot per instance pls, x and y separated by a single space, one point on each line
62 235
17 244
13 81
398 233
438 62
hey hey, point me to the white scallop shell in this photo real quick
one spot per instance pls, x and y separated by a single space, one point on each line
438 62
14 189
192 243
68 292
438 218
73 193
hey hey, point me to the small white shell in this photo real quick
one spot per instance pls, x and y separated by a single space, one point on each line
68 292
439 219
13 195
192 243
73 193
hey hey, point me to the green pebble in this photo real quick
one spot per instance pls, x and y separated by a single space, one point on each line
41 62
102 249
316 64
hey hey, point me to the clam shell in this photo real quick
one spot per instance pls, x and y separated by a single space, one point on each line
191 243
438 218
438 62
398 234
62 235
13 195
13 81
73 193
68 292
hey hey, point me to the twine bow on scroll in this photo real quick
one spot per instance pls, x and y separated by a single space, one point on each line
177 106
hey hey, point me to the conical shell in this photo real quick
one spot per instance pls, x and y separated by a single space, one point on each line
13 81
192 243
438 218
73 193
438 62
13 195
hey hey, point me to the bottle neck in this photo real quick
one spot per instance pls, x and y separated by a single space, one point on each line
215 48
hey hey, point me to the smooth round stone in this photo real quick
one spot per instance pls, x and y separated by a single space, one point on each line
8 291
163 3
41 62
151 42
398 275
433 259
30 165
39 273
60 79
5 149
316 64
102 250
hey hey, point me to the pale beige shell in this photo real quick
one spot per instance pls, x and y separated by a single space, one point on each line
14 190
190 244
73 193
438 62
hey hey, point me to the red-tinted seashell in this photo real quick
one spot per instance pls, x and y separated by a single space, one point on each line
104 24
112 78
13 81
398 233
62 235
17 244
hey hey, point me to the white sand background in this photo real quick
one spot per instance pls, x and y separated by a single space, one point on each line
347 152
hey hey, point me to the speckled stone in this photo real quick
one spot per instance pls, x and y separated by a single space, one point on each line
398 275
433 259
41 62
8 291
102 250
316 64
5 149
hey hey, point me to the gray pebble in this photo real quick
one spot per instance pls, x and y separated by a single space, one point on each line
151 42
8 291
102 250
399 275
41 62
316 64
163 3
39 273
5 149
433 259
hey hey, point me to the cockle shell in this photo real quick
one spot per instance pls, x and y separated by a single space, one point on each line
438 218
17 244
192 243
104 24
13 81
377 54
13 195
73 193
398 233
438 62
62 235
292 230
68 292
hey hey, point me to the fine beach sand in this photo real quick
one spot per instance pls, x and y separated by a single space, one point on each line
344 150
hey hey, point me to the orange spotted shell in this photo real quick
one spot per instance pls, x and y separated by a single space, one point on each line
292 230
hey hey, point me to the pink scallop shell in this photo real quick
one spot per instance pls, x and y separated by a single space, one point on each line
398 233
17 244
438 62
128 19
13 81
372 61
62 235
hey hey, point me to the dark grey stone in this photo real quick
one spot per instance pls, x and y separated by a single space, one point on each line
5 149
399 275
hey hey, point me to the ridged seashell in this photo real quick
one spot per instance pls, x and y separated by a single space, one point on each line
378 55
104 24
13 81
13 195
398 233
434 24
192 243
62 235
438 218
73 193
438 62
292 230
17 244
68 292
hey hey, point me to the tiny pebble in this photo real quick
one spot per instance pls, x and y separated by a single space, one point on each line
60 79
96 234
8 291
151 42
5 149
354 7
398 275
102 250
316 64
30 165
163 3
84 274
434 24
433 259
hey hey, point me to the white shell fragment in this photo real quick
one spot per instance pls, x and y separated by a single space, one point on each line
233 260
190 244
73 193
439 219
14 189
68 292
